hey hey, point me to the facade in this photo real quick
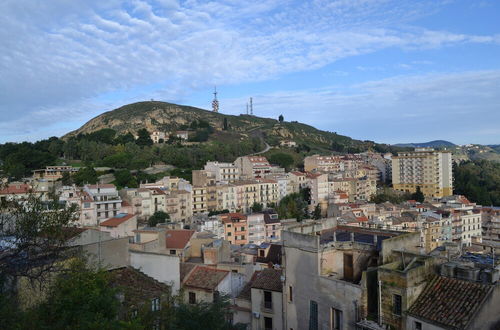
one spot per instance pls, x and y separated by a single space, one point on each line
223 172
256 228
54 173
327 164
253 167
235 228
121 225
100 202
267 300
425 168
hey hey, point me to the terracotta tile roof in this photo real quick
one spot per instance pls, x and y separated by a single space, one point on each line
177 239
185 269
246 292
16 189
117 220
450 302
268 279
137 287
229 217
205 278
297 173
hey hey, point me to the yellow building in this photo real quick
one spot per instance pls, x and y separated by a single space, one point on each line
425 168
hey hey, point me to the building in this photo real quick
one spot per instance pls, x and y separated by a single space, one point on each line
235 228
326 164
425 168
253 167
256 228
121 225
205 284
452 303
158 137
223 172
267 300
330 273
54 173
103 201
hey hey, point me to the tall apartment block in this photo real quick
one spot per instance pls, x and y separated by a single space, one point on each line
426 168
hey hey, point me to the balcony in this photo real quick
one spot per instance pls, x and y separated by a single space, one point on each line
266 306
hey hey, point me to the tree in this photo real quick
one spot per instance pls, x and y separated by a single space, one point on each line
158 217
225 124
124 139
80 298
317 212
257 207
144 138
418 195
66 179
35 233
85 175
282 159
281 118
123 178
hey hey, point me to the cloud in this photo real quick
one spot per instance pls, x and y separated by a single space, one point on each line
462 107
58 54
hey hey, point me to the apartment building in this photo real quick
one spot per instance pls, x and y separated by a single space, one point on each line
103 200
467 226
256 228
223 172
425 168
226 197
200 199
253 167
327 164
235 228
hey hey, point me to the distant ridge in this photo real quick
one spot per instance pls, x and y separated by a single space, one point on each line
430 144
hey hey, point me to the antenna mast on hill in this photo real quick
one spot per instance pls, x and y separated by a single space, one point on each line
251 107
215 102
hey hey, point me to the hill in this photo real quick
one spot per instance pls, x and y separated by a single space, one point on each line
168 117
430 144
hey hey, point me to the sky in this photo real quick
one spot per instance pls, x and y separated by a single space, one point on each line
392 71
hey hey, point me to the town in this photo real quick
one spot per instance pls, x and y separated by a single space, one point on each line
315 248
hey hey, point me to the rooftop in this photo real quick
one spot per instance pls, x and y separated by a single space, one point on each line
117 220
205 278
178 239
450 302
268 279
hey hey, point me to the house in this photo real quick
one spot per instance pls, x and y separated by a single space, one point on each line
138 292
450 303
267 300
177 242
121 225
204 284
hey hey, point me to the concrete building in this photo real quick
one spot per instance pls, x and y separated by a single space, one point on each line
329 272
204 284
256 228
267 300
235 228
121 225
223 172
425 168
103 200
326 164
253 167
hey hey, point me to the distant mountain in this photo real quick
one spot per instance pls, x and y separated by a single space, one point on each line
168 117
431 144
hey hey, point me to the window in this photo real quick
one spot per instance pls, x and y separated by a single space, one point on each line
417 325
192 298
290 293
268 299
172 251
228 234
313 315
335 319
242 229
268 323
242 236
396 304
155 304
